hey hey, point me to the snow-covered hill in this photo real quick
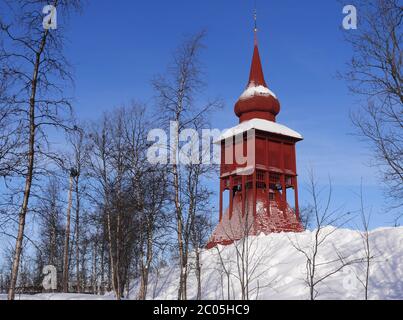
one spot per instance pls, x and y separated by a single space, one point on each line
277 270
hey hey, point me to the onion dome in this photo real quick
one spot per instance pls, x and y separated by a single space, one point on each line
257 101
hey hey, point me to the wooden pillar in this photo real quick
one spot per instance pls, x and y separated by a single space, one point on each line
254 193
243 195
231 197
297 213
294 159
221 199
283 184
268 192
267 177
283 194
296 198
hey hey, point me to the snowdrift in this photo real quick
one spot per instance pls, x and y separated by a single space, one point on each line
272 268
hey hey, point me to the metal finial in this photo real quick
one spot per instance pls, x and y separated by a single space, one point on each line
255 20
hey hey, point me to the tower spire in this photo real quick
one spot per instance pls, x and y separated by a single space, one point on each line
257 101
256 73
256 76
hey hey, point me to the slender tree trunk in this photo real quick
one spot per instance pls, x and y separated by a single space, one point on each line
367 279
78 236
368 262
30 171
117 266
67 240
145 268
112 260
103 265
179 225
198 274
94 268
179 218
83 268
144 283
52 256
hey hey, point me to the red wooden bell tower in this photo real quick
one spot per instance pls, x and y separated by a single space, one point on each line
258 193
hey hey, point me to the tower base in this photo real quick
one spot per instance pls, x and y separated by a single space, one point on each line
269 218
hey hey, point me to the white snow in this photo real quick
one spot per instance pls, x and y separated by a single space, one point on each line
278 271
60 296
262 125
253 90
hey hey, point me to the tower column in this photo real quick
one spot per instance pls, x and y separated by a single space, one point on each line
283 194
254 193
221 199
296 198
268 192
283 182
243 195
267 176
231 197
297 213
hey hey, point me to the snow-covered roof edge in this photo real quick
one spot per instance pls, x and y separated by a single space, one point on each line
256 90
262 125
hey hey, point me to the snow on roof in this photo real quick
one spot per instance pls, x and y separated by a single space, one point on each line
254 90
262 125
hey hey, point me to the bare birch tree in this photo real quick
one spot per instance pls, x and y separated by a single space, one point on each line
375 74
200 231
66 254
128 191
33 56
317 270
177 94
152 220
50 211
196 197
78 159
365 268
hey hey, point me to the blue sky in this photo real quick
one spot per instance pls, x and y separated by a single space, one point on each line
116 47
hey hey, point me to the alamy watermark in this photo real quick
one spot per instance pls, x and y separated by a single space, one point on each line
50 280
350 20
192 147
50 19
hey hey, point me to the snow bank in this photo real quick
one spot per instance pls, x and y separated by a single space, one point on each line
278 271
59 296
